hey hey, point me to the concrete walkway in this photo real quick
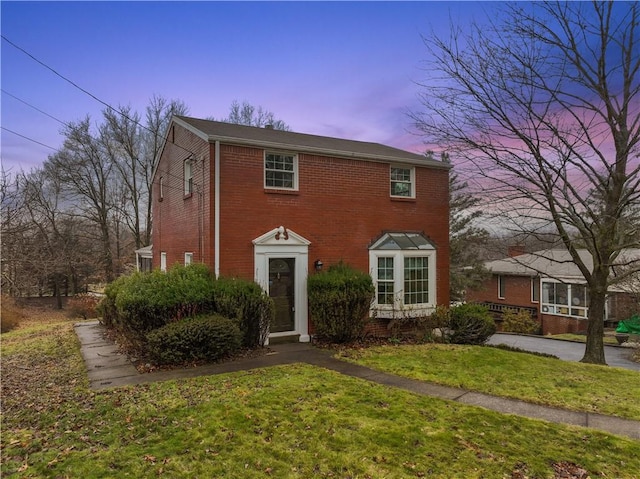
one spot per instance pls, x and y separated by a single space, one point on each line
109 368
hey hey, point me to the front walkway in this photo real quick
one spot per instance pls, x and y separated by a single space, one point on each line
109 368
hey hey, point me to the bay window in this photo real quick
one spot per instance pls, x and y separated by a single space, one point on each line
403 270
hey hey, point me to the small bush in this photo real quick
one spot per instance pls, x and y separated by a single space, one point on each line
470 324
423 327
515 321
193 339
10 314
82 306
339 302
246 302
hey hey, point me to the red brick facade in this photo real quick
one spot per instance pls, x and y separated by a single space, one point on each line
340 206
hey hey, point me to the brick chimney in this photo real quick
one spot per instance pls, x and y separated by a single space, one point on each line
516 250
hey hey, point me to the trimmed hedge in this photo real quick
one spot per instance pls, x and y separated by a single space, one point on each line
470 324
339 302
193 339
248 304
142 302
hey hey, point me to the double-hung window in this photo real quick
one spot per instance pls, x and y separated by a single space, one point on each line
564 299
403 181
403 269
281 171
188 177
188 259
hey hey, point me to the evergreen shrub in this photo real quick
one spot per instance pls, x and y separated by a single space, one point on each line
139 303
192 339
470 324
248 304
339 302
515 321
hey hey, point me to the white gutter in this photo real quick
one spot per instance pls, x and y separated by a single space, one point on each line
216 209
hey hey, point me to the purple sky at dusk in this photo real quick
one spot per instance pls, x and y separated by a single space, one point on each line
344 69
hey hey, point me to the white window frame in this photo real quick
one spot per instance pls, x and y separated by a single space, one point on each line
502 287
294 172
411 182
161 188
560 309
188 259
163 261
187 168
399 308
535 282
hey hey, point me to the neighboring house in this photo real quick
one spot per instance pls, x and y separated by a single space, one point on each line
144 258
550 286
275 206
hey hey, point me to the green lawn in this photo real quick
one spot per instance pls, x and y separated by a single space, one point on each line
293 421
548 381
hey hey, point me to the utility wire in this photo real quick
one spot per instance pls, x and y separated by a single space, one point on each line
27 138
55 72
59 121
34 107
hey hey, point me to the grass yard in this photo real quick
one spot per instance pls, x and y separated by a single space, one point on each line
293 421
547 381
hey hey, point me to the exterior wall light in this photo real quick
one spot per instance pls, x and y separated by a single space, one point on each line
318 265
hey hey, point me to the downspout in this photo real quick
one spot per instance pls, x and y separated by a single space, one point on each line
216 209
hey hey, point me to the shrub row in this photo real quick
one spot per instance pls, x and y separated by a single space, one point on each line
339 302
463 324
142 302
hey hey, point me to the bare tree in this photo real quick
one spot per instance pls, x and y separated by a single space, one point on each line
158 115
247 114
85 171
545 108
43 198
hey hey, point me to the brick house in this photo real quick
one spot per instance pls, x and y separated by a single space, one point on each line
550 286
274 206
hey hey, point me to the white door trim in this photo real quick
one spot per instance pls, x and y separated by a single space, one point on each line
280 243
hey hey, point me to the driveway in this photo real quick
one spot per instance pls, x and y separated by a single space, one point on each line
567 350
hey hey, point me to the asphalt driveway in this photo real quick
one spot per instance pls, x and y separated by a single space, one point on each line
615 356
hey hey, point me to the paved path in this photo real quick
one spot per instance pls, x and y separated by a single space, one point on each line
616 356
108 368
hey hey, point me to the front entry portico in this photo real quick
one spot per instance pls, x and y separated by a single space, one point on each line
281 259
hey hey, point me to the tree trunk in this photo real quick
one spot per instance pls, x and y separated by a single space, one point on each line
594 350
58 290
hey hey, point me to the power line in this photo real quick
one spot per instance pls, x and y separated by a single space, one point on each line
34 107
55 72
30 139
60 121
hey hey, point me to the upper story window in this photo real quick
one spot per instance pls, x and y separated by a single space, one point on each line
564 299
403 268
188 177
281 171
161 196
403 181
